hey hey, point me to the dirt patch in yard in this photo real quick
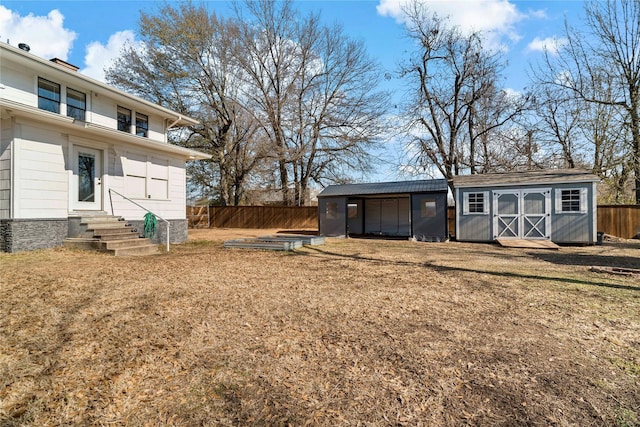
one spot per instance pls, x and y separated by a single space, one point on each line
353 332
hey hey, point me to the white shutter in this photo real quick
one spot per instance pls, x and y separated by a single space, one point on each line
485 206
583 200
558 200
465 203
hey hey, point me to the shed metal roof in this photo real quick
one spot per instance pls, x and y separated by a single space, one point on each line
550 176
398 187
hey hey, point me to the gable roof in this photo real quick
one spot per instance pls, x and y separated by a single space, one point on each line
397 187
550 176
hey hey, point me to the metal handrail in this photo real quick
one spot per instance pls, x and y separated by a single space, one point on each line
141 207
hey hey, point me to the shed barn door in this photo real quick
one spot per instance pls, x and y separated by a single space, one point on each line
536 213
372 216
387 217
506 214
522 214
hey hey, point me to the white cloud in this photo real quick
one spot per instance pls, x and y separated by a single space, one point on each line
550 44
494 18
98 56
45 35
512 93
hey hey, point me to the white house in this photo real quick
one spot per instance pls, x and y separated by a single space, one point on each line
66 140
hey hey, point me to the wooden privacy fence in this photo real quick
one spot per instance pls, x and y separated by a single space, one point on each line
619 220
616 220
292 217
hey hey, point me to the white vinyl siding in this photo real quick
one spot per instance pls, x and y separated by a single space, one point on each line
146 177
41 180
158 178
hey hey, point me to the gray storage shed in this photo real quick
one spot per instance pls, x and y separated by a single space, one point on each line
404 208
558 205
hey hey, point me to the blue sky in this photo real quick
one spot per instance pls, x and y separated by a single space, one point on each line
89 34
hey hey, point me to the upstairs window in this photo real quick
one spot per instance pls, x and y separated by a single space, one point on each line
476 203
48 95
76 104
142 125
124 119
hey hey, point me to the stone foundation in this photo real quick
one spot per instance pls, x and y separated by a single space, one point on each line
17 235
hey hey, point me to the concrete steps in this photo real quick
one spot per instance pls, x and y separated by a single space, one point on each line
107 233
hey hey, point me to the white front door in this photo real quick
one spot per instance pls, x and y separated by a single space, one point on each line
86 188
522 214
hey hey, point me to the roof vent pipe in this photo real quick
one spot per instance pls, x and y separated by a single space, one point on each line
24 47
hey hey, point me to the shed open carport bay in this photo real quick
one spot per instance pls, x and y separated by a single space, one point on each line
395 209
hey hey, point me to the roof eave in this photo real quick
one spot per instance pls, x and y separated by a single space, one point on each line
21 110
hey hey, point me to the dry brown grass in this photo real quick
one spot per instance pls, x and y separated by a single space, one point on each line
355 332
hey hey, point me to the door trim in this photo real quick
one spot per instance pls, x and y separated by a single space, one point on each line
98 178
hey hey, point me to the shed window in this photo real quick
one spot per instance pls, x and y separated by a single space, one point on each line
352 210
476 203
571 200
428 208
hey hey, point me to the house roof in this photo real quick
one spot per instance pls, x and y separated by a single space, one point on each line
374 188
550 176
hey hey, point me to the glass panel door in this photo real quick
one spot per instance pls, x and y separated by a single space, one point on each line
87 179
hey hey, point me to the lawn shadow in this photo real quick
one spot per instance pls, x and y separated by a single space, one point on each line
452 269
599 260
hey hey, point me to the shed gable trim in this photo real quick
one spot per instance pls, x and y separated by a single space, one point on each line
548 177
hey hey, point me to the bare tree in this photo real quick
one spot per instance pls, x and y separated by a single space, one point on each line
314 92
493 146
188 63
456 106
602 67
338 112
559 126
